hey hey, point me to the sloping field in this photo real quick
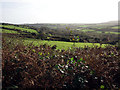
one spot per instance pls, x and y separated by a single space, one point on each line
8 31
91 30
19 28
60 44
116 27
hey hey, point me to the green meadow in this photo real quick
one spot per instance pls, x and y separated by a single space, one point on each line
116 27
83 26
19 28
86 30
113 32
8 31
61 44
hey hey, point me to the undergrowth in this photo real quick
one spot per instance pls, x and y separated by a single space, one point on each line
44 66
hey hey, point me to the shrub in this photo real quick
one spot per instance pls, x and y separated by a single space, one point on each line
44 67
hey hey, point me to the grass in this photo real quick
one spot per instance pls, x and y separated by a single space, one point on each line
108 32
8 31
60 44
98 27
98 31
113 32
86 30
116 27
83 26
77 29
19 28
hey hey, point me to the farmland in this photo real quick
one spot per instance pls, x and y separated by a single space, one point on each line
84 56
7 31
60 44
18 28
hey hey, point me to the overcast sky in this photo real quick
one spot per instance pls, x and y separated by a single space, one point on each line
58 11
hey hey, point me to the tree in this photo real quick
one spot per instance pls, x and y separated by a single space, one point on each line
97 40
41 35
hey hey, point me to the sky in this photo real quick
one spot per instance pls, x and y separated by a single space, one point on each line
58 11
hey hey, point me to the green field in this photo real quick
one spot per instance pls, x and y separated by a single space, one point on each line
60 44
116 27
113 32
8 31
86 30
83 26
91 30
108 32
19 28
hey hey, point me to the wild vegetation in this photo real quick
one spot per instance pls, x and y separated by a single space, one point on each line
29 66
68 32
60 56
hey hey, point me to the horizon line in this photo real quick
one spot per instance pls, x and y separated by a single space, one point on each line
61 23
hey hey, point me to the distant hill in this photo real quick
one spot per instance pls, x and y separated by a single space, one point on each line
91 33
112 25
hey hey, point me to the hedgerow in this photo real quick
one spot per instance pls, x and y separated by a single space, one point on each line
29 66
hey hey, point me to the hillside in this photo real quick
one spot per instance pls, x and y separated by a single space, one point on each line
69 56
75 26
90 33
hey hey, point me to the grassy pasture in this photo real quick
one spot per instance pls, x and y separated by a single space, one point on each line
113 32
98 27
116 27
8 31
19 28
108 32
60 44
83 26
86 30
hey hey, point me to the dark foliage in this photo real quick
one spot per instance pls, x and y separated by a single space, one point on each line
45 67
